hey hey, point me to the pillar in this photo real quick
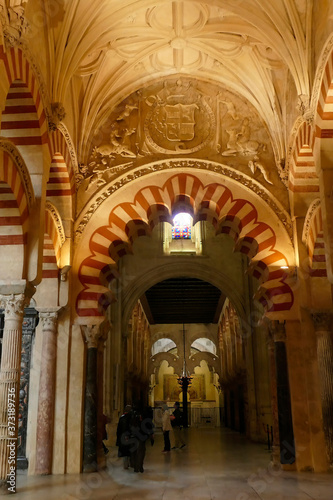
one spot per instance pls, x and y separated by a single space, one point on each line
9 388
46 397
28 331
91 335
324 335
286 433
274 400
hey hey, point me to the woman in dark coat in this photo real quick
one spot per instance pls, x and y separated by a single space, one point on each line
124 435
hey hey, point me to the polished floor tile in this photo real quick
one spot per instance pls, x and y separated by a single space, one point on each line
216 464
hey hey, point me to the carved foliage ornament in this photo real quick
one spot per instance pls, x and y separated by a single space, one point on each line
193 164
49 320
57 220
13 305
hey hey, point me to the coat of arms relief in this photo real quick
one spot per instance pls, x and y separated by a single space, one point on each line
177 117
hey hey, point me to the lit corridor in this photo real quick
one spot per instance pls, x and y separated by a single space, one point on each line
216 464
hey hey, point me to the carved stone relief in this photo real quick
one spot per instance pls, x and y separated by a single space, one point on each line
179 116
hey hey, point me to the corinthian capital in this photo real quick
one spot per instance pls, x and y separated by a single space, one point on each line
92 334
323 321
13 305
277 331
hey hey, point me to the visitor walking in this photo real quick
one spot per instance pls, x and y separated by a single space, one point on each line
166 427
177 424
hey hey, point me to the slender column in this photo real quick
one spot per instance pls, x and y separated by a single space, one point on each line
324 332
28 332
274 401
92 335
46 397
286 433
9 388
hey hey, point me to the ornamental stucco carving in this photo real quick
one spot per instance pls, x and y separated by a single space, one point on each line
307 223
184 163
178 117
13 21
57 220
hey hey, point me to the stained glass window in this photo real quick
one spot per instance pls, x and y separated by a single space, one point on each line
182 225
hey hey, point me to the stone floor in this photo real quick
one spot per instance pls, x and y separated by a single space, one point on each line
216 464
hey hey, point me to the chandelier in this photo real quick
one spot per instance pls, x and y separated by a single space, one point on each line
185 379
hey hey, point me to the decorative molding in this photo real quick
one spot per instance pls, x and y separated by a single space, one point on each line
308 218
203 165
290 150
57 220
71 148
323 58
11 149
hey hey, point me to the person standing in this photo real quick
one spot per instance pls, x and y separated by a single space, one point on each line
124 435
142 429
166 428
177 422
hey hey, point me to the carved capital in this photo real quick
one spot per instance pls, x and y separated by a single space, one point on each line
92 335
323 321
56 115
277 331
13 305
49 320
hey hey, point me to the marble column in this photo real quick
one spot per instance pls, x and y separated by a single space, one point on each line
286 433
9 387
91 335
46 397
28 331
274 400
324 335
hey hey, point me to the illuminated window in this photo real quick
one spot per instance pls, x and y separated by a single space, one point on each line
182 225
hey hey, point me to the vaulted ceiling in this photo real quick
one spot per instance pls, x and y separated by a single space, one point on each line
101 51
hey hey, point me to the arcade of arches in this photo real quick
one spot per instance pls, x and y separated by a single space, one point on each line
114 118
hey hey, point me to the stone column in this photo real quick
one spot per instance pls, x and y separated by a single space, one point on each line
91 335
324 333
28 331
286 433
9 388
273 387
46 397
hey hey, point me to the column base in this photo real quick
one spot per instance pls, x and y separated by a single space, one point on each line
4 488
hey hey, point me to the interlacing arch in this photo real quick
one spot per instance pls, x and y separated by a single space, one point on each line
16 198
153 204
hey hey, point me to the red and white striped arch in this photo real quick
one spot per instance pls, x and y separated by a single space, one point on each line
14 214
62 176
302 176
24 118
209 200
313 238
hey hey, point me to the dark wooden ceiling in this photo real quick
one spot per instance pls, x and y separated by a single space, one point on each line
182 300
